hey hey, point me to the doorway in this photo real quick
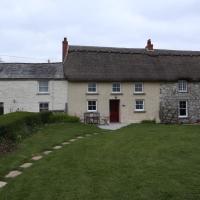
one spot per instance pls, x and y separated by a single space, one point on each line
114 110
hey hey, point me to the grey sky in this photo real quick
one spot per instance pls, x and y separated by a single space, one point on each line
35 28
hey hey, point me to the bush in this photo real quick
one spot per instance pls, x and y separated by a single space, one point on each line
148 121
62 117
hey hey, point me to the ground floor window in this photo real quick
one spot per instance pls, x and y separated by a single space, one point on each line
139 105
1 108
43 106
183 110
92 106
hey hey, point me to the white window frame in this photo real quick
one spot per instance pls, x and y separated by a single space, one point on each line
88 106
139 110
182 86
183 116
43 92
43 103
138 92
91 87
116 87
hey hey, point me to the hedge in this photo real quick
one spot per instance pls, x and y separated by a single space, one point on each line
18 125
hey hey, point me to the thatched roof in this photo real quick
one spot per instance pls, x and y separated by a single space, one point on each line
31 71
123 64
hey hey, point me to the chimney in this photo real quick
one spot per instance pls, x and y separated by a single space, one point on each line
149 46
64 49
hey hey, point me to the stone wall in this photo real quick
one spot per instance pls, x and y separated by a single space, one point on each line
169 102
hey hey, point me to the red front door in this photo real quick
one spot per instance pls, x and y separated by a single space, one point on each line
114 110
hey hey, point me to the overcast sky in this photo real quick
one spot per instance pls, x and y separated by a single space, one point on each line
35 28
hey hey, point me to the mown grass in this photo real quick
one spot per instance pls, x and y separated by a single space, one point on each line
144 161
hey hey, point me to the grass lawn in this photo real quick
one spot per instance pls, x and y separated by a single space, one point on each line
144 161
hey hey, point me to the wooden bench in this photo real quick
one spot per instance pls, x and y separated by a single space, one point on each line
92 118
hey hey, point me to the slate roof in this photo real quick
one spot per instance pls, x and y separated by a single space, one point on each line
31 71
126 64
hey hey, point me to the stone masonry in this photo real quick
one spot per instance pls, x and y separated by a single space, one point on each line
169 102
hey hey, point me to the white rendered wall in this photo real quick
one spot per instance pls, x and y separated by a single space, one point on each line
23 95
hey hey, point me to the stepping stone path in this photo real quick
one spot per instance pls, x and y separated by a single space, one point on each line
64 143
13 174
26 165
79 137
57 147
36 158
2 184
47 152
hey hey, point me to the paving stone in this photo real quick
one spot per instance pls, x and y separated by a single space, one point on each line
26 165
36 158
79 137
57 147
72 140
2 184
95 133
47 152
88 135
13 174
64 143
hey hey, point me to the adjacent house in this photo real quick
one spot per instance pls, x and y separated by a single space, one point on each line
131 85
32 87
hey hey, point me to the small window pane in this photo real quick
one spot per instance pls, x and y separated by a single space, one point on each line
92 87
92 106
44 107
183 108
182 86
139 105
116 87
138 87
43 86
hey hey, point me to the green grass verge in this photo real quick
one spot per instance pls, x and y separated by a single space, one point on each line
143 162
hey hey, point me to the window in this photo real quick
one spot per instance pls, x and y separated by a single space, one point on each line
92 87
183 110
43 86
138 88
116 88
44 107
139 105
1 108
182 86
92 106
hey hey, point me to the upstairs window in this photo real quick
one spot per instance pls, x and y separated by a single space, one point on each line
182 86
183 109
43 86
116 87
138 87
92 87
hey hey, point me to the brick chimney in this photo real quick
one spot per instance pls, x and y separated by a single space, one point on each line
64 49
149 46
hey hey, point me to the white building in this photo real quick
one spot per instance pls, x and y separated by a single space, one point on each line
32 87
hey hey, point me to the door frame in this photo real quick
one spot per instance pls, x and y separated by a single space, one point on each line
116 100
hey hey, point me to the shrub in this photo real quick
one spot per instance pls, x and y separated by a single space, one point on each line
148 121
45 117
62 117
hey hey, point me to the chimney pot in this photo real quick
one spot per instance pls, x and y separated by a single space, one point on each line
149 46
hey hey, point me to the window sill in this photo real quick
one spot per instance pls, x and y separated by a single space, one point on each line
139 111
43 93
116 93
182 117
139 93
92 93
